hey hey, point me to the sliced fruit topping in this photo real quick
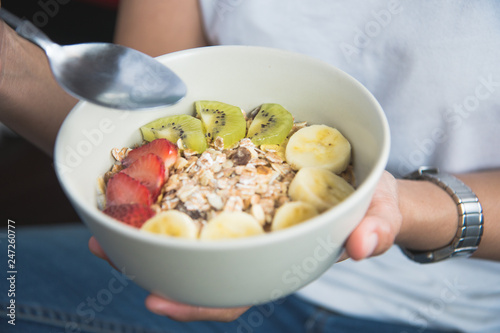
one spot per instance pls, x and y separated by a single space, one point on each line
318 146
123 189
162 148
222 120
271 125
150 171
132 214
320 187
172 223
231 225
292 213
187 128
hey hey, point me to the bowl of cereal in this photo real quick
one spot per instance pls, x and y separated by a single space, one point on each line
267 164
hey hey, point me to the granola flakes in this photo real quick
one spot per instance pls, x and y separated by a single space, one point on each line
239 179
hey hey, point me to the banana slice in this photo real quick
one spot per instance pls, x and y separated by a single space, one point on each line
292 213
318 146
319 187
172 223
231 225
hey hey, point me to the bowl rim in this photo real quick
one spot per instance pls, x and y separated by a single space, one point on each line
317 222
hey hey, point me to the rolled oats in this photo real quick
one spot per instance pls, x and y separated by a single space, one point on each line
215 201
219 143
242 178
119 154
273 157
234 204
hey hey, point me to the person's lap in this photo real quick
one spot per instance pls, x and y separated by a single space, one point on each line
61 287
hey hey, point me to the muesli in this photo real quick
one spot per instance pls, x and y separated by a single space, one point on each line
223 174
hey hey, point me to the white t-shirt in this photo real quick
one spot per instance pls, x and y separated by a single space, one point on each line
434 66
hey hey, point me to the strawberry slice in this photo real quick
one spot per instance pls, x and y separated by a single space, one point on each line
132 214
163 148
123 189
150 171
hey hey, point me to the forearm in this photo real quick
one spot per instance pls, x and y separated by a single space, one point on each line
31 102
158 27
430 215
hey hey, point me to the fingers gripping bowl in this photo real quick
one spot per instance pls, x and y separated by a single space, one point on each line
240 271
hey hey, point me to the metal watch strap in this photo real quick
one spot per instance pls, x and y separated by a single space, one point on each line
470 217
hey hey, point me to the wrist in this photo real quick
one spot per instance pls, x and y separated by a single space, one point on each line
429 216
32 103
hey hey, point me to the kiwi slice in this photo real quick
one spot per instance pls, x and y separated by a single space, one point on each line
187 128
223 120
271 125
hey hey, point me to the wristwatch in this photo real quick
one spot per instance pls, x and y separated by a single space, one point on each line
470 217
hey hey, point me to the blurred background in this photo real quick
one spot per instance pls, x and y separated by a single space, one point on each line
30 193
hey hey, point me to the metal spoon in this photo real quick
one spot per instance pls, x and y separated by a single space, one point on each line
105 74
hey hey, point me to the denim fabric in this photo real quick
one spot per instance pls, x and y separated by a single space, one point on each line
62 288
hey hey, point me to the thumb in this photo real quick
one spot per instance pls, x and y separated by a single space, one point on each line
376 232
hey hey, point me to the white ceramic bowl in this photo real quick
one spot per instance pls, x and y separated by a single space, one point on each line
244 271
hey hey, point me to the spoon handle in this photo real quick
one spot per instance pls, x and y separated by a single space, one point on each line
27 29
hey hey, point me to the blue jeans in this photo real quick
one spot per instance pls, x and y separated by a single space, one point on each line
60 287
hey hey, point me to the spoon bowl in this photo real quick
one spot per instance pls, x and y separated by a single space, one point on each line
105 74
